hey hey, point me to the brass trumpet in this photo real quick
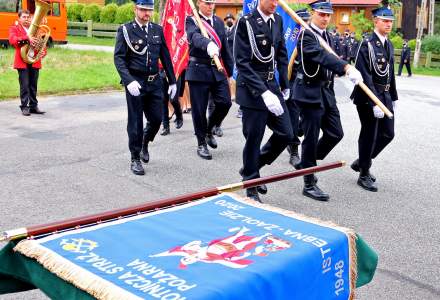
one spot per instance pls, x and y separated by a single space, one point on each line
30 54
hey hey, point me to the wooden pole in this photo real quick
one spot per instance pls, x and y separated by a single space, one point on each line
420 23
79 222
204 32
327 47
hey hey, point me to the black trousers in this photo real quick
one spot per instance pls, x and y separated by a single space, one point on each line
375 134
293 110
28 80
174 102
315 117
148 103
199 95
254 124
408 67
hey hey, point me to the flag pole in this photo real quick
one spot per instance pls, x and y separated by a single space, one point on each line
204 32
327 47
90 220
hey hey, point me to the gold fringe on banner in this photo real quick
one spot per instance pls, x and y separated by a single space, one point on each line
68 271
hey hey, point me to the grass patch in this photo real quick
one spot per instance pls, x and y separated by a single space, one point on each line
63 71
83 40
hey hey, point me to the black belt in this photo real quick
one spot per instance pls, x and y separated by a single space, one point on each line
382 87
150 77
205 61
267 76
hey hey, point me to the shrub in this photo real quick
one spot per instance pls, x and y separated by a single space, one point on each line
74 12
412 44
90 12
124 13
155 18
431 44
108 13
361 23
397 42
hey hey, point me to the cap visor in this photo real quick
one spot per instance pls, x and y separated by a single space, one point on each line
150 7
325 11
391 18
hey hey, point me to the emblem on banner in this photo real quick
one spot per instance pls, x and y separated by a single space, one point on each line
78 245
233 251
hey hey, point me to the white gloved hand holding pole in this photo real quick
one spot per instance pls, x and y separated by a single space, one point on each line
212 49
172 89
286 94
378 113
354 75
273 103
134 88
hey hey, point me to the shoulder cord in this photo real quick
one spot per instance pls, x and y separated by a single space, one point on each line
127 40
302 57
357 54
377 70
256 52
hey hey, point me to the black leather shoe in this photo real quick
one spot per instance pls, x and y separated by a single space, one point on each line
262 189
36 111
165 131
314 192
145 155
253 194
294 157
367 183
136 167
355 167
210 140
25 111
218 131
179 123
203 152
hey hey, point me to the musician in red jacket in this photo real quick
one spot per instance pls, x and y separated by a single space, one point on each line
27 73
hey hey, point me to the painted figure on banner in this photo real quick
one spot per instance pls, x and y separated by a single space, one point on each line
233 251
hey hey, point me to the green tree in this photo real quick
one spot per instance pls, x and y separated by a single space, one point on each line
108 13
90 12
125 13
361 23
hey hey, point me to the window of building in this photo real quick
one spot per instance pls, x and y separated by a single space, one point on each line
10 5
56 9
345 18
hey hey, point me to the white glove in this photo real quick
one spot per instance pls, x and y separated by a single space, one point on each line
172 91
273 103
286 94
354 75
134 88
212 49
231 79
394 105
378 113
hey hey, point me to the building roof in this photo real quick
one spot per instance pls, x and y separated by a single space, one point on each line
334 2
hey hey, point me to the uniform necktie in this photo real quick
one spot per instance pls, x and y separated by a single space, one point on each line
324 36
387 46
209 21
143 27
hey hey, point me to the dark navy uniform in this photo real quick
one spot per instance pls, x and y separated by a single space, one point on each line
174 102
376 63
352 48
315 97
136 56
204 79
254 40
405 59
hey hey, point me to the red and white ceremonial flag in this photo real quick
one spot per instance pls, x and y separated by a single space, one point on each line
173 23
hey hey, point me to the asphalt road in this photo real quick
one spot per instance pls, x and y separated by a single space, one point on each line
74 161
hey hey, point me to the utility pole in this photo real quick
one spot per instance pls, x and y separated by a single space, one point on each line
431 17
420 25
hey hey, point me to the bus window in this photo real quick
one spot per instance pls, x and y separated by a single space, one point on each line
55 11
10 5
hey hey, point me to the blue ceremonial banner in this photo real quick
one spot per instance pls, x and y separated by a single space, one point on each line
223 247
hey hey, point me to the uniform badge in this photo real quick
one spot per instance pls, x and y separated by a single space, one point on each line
264 42
136 47
378 44
259 21
140 41
383 59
